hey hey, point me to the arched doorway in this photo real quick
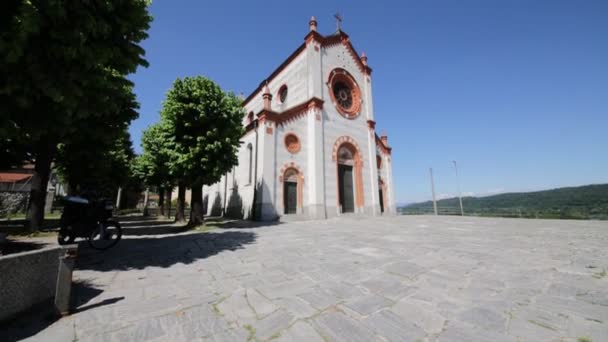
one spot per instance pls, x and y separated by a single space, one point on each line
290 191
350 181
382 194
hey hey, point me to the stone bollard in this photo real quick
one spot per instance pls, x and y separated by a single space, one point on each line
63 291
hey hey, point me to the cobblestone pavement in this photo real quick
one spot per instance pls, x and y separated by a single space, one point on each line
408 278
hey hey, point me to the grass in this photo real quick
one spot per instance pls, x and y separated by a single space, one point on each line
203 228
21 216
600 275
251 330
541 324
584 339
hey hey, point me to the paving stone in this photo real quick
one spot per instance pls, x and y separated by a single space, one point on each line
483 318
423 314
458 332
453 278
335 326
405 269
297 307
392 327
368 304
300 332
260 304
272 325
319 298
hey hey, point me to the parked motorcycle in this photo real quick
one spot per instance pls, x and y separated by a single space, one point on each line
90 219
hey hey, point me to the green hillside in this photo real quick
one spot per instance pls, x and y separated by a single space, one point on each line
581 202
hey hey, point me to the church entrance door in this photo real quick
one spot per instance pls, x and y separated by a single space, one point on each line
291 197
345 180
381 201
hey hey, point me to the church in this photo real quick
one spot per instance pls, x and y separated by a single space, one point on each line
310 148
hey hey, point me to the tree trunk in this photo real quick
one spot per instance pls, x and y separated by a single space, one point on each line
169 194
146 198
40 180
118 198
196 205
161 201
180 215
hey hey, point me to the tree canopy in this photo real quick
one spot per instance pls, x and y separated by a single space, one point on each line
63 66
205 127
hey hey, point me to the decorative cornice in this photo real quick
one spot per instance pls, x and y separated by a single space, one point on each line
290 113
371 124
386 149
324 41
275 73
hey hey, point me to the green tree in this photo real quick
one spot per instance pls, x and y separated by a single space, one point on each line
99 164
205 127
61 63
153 164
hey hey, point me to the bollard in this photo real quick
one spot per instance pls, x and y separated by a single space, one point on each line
63 291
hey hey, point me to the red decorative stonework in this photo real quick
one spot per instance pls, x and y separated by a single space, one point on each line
292 168
341 140
269 130
384 148
292 143
344 93
371 124
320 41
282 94
292 113
353 147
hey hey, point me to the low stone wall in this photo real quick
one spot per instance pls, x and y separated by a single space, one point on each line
28 279
12 202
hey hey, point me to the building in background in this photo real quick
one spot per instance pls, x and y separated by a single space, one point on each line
310 149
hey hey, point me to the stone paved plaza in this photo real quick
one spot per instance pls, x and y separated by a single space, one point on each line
408 278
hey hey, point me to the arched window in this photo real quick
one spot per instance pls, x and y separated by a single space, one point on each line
250 117
282 93
250 152
345 156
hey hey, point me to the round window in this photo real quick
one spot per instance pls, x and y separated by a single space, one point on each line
283 93
345 93
292 143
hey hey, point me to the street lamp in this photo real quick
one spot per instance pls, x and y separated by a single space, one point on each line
458 183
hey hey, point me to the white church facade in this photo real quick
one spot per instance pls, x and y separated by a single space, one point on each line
310 149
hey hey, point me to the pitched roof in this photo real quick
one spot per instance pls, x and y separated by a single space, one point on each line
338 37
11 177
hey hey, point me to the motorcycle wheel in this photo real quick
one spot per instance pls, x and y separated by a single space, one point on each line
111 238
64 238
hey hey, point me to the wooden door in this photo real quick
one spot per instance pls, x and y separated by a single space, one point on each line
345 184
291 197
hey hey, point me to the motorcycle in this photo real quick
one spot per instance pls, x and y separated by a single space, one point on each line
90 219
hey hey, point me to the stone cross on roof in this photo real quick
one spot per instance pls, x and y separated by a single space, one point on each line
338 17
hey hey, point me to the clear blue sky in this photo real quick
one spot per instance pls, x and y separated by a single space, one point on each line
515 91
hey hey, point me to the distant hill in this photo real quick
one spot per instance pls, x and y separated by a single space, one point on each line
581 202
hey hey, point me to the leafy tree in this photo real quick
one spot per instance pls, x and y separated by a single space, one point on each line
205 127
62 63
153 164
97 164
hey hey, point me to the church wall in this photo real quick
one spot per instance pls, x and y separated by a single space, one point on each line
319 193
337 126
284 158
234 189
295 77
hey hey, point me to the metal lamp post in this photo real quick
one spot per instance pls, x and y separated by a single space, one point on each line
458 183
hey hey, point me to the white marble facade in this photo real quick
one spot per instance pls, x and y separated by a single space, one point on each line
310 150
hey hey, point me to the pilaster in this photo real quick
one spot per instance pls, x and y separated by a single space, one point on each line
373 167
315 160
265 206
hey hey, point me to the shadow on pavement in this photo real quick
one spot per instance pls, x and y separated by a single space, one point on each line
42 316
165 251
